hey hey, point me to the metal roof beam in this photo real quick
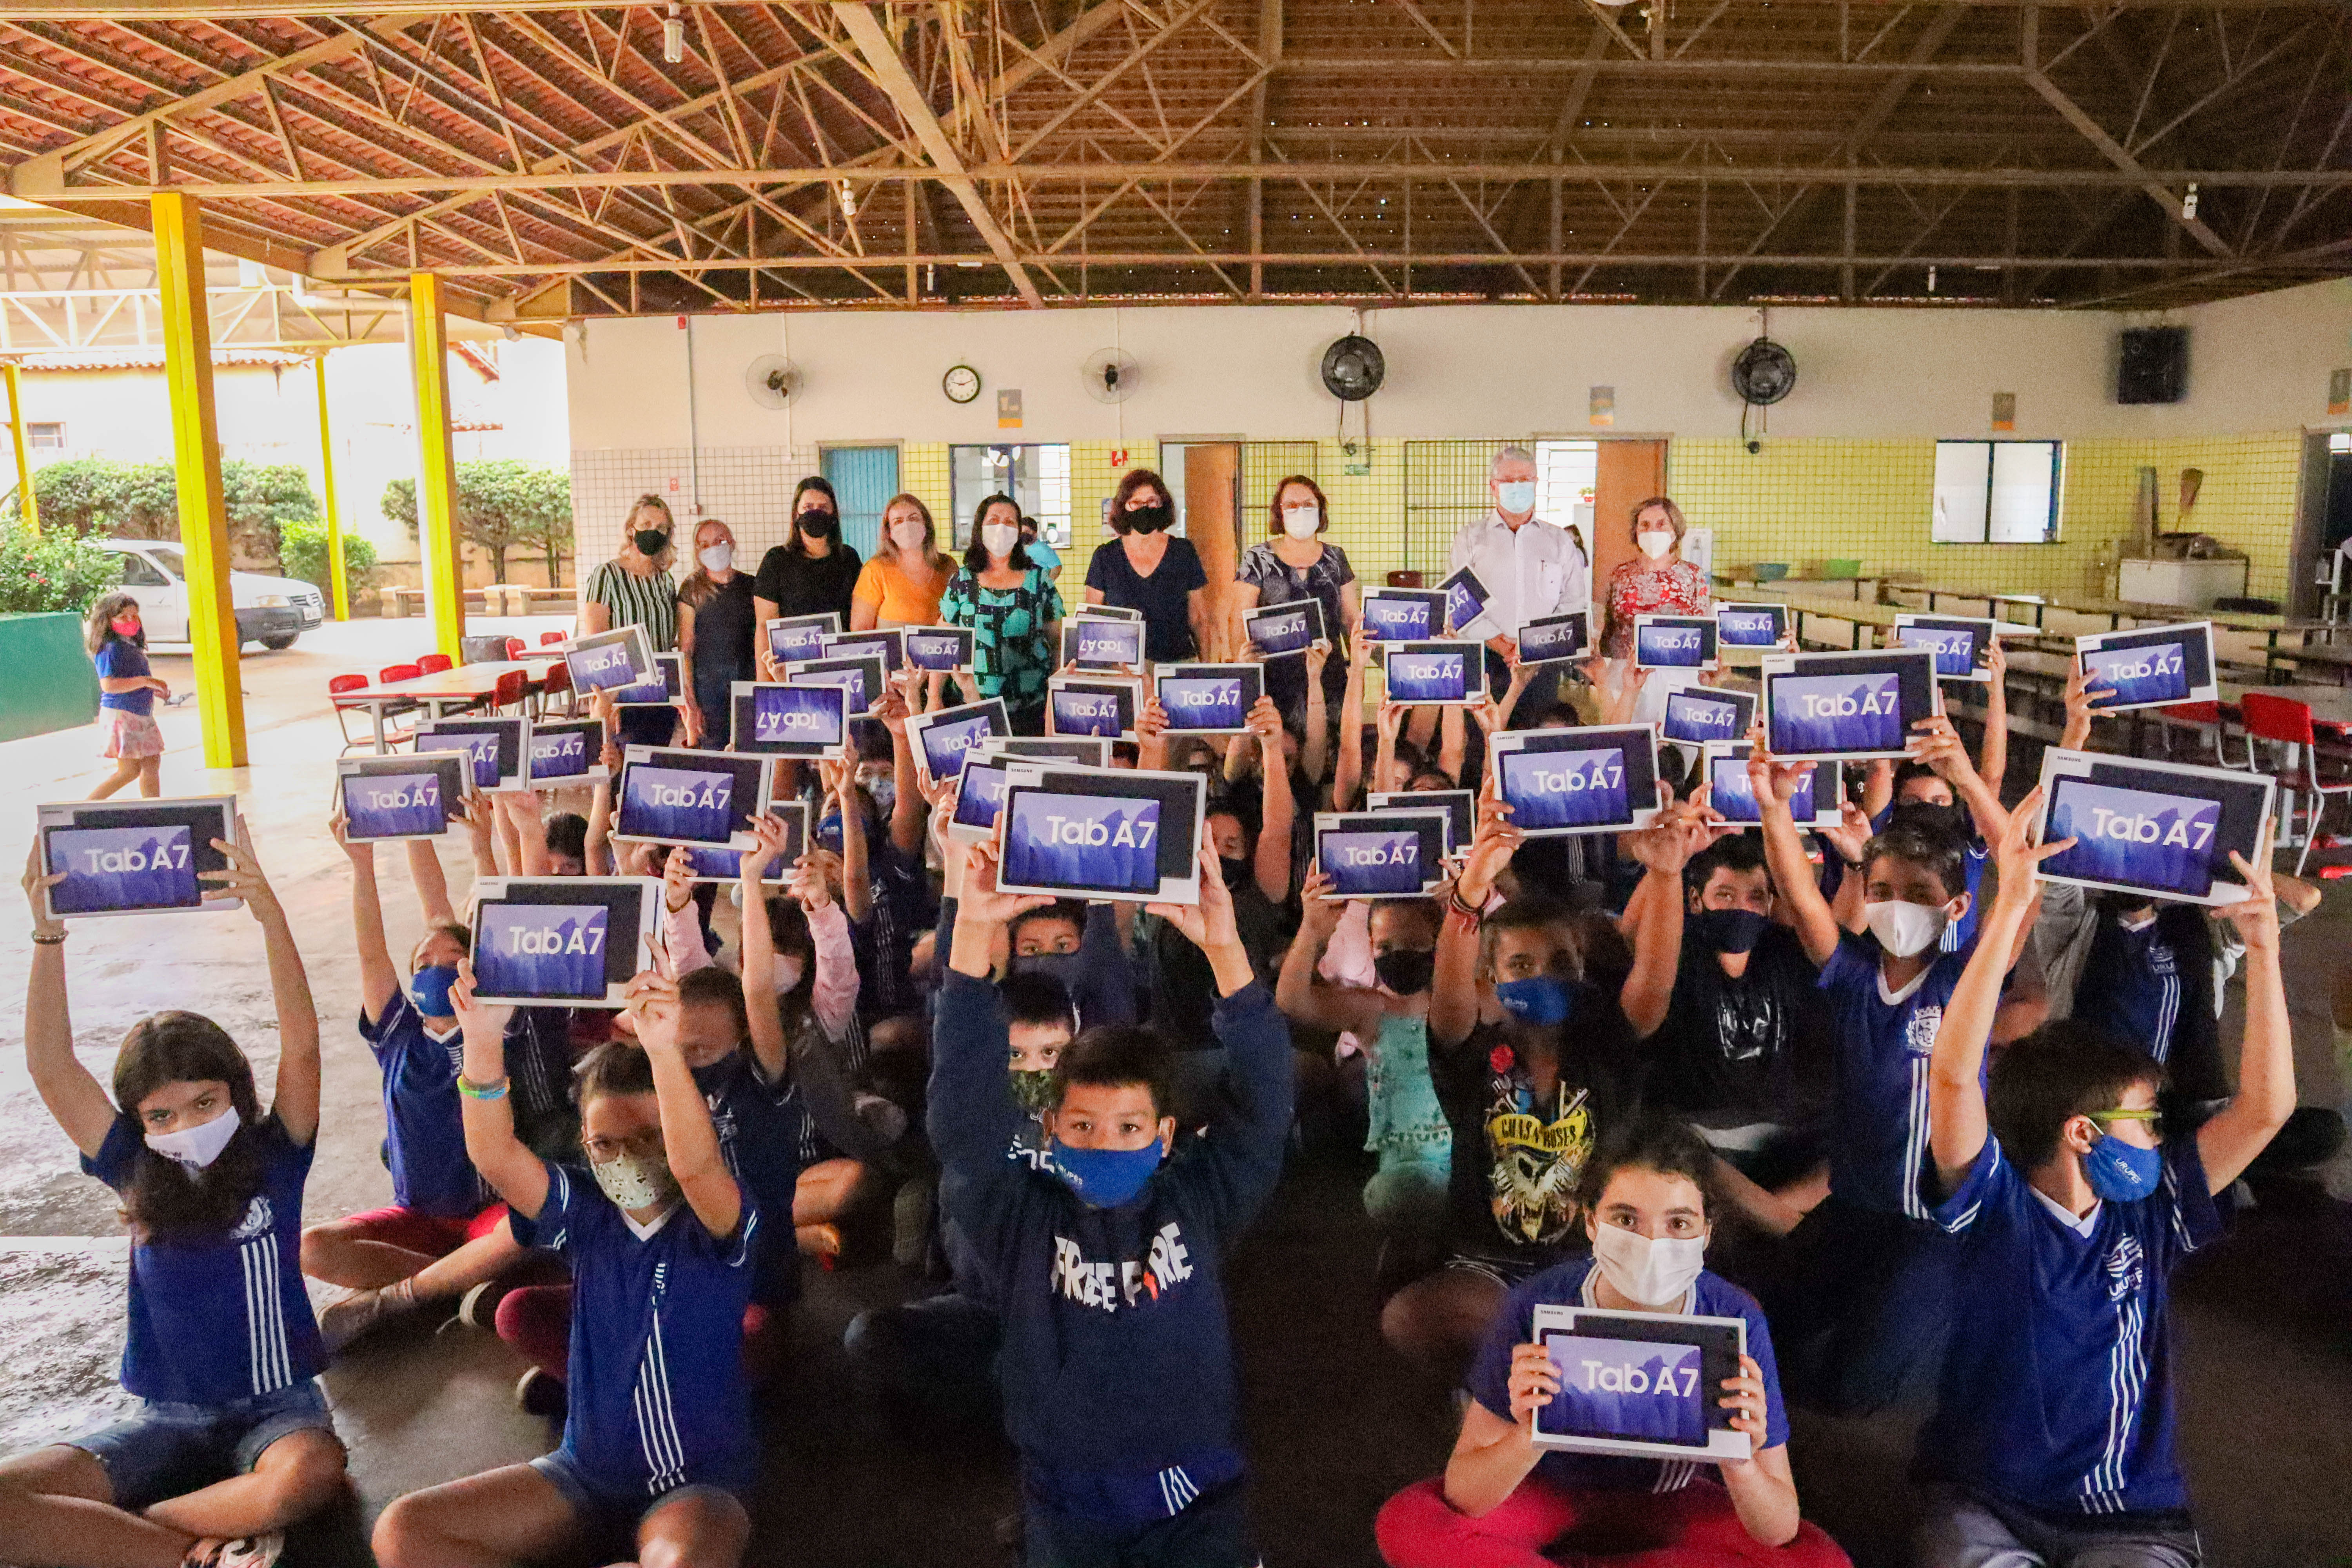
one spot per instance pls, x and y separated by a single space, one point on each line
2157 190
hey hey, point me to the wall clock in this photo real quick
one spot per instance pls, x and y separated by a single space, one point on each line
962 384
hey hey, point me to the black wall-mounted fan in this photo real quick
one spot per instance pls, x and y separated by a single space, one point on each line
1353 368
1764 373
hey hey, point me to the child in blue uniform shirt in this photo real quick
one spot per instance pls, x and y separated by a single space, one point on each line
1108 1269
1502 1501
443 1234
2053 1439
658 1449
222 1352
1859 1300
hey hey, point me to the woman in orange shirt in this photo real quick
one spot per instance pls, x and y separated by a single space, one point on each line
902 584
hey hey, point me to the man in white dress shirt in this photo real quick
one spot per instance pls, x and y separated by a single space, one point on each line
1529 568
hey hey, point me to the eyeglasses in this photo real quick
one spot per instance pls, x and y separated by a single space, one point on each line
2153 1117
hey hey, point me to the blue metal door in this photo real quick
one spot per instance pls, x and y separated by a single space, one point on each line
864 479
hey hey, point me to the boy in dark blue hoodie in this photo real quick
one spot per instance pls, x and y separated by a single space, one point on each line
1117 1364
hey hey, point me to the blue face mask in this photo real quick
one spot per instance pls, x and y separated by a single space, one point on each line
1539 1000
1105 1178
429 989
2122 1172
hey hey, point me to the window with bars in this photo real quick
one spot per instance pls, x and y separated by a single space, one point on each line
1037 475
1995 492
1444 492
1566 473
50 437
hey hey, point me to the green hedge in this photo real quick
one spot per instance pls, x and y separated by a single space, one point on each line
55 571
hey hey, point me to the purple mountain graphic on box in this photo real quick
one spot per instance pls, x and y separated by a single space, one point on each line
542 950
1084 841
121 869
1837 713
2135 836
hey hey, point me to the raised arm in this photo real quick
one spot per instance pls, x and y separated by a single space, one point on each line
1775 785
1992 755
833 994
1278 812
973 1113
1298 991
1315 745
2228 1143
906 805
1940 748
856 885
1348 773
431 882
73 1095
1390 718
769 1047
295 1100
689 1141
1665 847
1453 989
513 1172
379 978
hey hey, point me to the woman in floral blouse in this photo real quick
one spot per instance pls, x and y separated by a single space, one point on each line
1014 611
1292 564
1658 582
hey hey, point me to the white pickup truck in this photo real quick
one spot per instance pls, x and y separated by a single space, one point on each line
271 611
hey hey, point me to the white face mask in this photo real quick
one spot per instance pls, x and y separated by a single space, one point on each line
196 1147
999 538
718 558
1301 522
634 1184
787 972
1654 1273
1516 496
908 534
1656 546
1905 929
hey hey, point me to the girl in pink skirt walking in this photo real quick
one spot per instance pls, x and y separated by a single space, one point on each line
126 703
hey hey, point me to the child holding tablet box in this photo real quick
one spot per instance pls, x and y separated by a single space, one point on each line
2074 1201
1107 1268
1504 1502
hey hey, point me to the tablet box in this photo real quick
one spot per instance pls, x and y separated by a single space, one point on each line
494 745
1961 644
1460 805
780 719
1086 751
1091 642
1640 1384
1819 705
1555 639
1121 833
1751 627
565 941
943 650
1673 642
560 752
944 741
885 643
393 798
1698 714
657 693
129 857
1077 706
1276 631
1208 699
861 676
670 795
1465 599
2164 829
1560 782
980 795
2151 667
1816 805
1381 854
712 864
1443 672
602 660
1404 614
795 638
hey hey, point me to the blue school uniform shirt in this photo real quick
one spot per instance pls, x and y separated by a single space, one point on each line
655 1368
2057 1389
1571 1284
759 1127
424 1133
120 660
1878 1140
219 1318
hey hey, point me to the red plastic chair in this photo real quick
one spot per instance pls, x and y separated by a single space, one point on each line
557 682
513 687
516 648
391 672
434 663
2202 717
337 684
2286 722
549 639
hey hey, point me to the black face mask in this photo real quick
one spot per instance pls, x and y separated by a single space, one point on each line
1726 930
818 523
1061 966
1236 871
649 540
1148 519
1407 971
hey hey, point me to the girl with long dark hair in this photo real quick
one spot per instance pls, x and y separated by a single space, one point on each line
126 704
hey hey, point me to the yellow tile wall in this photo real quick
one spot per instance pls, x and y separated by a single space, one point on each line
1799 500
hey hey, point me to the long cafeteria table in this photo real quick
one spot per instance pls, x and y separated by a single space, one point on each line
453 688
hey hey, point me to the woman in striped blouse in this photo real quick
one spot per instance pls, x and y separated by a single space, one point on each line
635 589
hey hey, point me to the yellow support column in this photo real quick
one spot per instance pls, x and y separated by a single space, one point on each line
196 459
436 467
28 510
342 589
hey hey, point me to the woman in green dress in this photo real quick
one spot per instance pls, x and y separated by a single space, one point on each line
1014 612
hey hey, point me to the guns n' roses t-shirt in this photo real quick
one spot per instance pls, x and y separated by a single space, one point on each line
1518 1153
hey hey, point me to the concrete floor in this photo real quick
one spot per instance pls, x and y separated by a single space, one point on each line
1335 1423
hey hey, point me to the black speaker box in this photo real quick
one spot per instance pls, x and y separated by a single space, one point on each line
2152 366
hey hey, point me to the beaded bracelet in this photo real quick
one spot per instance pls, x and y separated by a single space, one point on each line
472 1090
57 941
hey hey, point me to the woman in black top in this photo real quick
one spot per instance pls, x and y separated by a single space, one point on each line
1147 569
714 632
812 572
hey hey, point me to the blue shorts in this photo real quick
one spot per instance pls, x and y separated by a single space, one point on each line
609 1513
168 1450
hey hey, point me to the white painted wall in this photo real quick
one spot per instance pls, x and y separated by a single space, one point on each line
2256 363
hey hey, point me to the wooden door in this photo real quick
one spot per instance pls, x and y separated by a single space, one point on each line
1213 486
1629 473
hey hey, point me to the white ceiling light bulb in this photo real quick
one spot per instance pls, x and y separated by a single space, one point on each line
848 194
673 36
2189 203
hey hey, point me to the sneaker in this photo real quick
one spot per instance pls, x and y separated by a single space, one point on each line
541 1394
911 1228
244 1551
359 1312
478 1307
